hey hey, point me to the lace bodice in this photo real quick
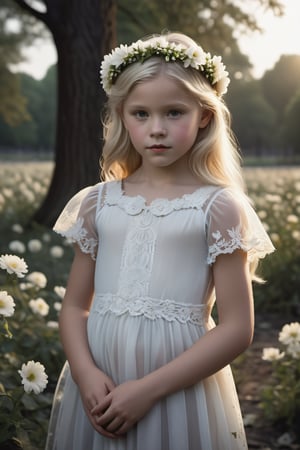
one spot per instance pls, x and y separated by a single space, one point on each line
160 206
155 260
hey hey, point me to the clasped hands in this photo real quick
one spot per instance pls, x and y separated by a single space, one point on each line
120 407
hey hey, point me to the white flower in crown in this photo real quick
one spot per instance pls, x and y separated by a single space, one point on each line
141 45
119 54
121 57
222 85
196 57
162 41
107 63
219 68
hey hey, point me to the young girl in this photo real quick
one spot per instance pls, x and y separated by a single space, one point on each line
167 233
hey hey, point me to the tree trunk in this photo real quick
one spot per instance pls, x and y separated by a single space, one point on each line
83 32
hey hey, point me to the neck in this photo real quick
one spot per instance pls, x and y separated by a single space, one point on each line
158 176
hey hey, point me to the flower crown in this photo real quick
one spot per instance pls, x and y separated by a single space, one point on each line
121 57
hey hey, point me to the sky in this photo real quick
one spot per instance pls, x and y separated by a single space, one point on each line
281 36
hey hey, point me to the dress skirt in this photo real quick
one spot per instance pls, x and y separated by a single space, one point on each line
204 417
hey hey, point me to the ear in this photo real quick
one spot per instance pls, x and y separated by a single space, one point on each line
205 118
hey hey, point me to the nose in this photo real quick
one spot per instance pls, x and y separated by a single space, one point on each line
158 128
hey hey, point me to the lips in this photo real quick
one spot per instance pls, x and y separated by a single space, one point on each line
158 148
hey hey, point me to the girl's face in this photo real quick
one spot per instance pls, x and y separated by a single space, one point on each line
163 121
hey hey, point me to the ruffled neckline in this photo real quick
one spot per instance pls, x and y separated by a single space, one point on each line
134 205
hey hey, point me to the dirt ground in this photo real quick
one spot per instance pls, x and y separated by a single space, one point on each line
252 371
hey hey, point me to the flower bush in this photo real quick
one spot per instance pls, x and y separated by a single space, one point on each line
281 395
22 417
32 281
276 196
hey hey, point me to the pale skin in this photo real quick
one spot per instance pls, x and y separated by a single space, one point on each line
152 117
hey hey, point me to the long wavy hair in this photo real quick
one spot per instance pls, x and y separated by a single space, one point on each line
214 158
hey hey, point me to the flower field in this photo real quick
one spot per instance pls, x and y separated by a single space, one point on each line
34 264
276 196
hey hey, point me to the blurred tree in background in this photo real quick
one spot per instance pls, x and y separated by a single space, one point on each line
16 30
253 117
281 87
284 80
38 133
291 123
83 32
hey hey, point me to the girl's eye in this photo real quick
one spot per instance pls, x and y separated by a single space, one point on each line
174 113
140 114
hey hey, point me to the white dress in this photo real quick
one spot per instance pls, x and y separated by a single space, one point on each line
153 298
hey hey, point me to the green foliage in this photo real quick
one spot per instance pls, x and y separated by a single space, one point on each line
13 106
28 335
281 83
281 399
38 132
280 396
253 118
17 31
276 196
24 417
42 107
291 123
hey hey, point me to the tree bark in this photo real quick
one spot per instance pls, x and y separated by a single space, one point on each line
83 32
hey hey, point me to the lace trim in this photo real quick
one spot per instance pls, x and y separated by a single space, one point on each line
151 308
255 246
158 207
137 258
77 233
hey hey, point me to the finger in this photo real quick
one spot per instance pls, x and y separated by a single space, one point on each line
92 408
105 433
100 429
110 385
124 428
114 425
91 403
107 417
102 406
95 410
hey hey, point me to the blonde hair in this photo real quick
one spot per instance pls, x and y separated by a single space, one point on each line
214 157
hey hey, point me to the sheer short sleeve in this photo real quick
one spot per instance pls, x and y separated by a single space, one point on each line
77 220
231 224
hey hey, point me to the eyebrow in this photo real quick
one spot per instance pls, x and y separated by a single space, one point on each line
167 105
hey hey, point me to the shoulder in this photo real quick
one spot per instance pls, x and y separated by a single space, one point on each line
82 203
227 201
90 196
